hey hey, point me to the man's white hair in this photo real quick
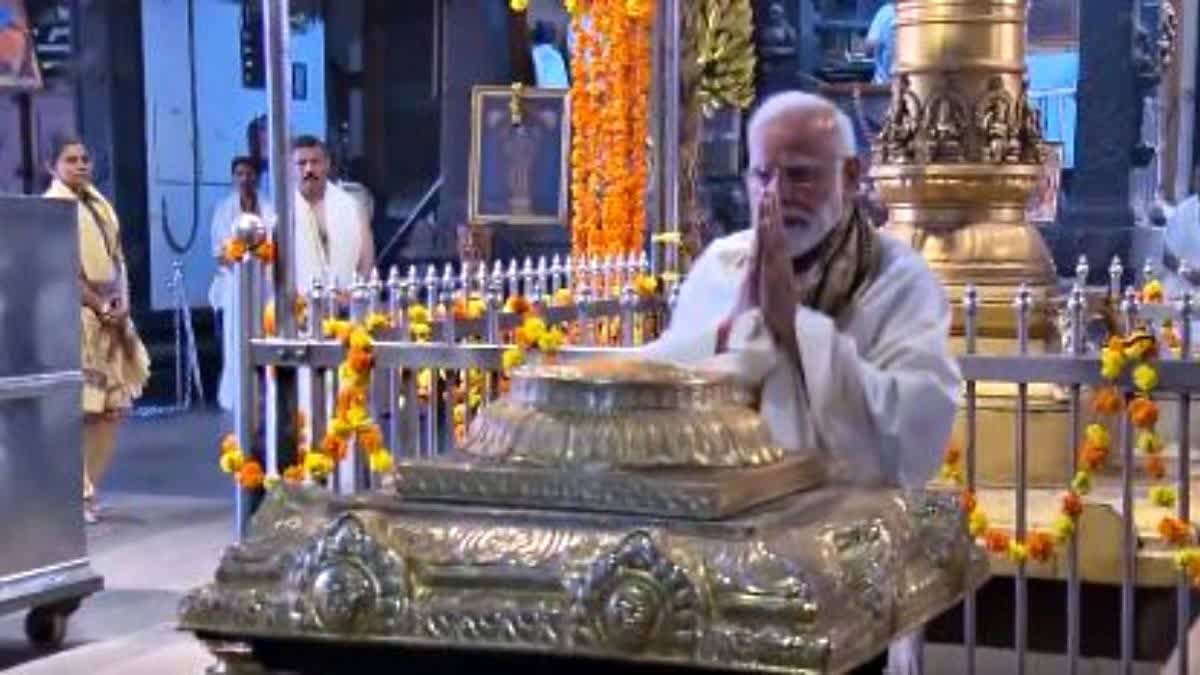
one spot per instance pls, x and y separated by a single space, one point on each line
787 102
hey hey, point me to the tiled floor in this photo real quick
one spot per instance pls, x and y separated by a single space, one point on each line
169 517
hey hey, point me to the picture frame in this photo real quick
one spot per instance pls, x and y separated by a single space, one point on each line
19 67
1043 202
518 166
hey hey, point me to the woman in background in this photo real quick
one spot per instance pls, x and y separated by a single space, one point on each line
115 363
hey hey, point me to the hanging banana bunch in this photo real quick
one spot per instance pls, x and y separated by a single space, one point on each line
725 55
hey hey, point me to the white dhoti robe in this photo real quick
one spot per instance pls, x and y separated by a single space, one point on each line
875 389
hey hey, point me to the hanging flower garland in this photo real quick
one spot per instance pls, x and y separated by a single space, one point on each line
610 92
1137 355
351 423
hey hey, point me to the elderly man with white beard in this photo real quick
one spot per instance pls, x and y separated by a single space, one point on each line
843 329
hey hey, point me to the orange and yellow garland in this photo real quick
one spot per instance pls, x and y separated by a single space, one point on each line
1138 351
352 423
610 94
234 251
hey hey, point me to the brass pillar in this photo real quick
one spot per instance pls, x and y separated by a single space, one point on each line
956 161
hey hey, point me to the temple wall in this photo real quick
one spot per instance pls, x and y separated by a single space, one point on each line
186 182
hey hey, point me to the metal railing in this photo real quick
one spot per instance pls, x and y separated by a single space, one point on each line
418 384
413 394
1077 367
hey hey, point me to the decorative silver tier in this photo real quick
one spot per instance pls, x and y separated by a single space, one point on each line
620 414
813 583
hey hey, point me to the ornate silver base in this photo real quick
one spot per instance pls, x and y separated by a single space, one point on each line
815 582
694 493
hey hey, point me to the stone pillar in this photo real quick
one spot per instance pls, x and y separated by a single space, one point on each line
1099 219
108 78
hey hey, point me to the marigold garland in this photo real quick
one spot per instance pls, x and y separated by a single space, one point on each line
1135 353
234 251
610 93
532 334
351 423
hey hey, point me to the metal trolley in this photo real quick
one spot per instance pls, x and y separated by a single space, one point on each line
44 566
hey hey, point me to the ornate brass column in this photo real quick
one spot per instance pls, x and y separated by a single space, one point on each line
959 154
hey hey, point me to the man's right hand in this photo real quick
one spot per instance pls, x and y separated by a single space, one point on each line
749 290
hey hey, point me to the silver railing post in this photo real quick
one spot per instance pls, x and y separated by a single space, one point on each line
628 305
1183 502
431 406
1128 533
1115 272
1023 305
318 396
970 328
583 305
1076 307
251 231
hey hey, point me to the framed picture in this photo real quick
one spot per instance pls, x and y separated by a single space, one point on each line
518 164
1043 203
18 60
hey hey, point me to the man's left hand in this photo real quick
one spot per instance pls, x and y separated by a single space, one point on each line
777 291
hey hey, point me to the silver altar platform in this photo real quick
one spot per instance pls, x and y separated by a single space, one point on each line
514 547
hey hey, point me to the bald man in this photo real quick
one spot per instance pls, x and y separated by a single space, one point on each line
843 329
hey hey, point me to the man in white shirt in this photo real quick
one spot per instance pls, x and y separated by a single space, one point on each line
843 329
223 294
332 235
332 239
881 41
549 68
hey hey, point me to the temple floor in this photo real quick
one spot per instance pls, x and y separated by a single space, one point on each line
169 518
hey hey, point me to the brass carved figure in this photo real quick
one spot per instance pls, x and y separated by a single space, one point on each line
994 119
945 127
1029 129
898 138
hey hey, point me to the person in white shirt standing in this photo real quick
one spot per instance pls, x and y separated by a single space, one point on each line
843 329
881 41
223 294
332 236
549 68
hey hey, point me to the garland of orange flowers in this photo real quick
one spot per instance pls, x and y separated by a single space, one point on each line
610 91
638 178
1138 351
234 251
585 190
